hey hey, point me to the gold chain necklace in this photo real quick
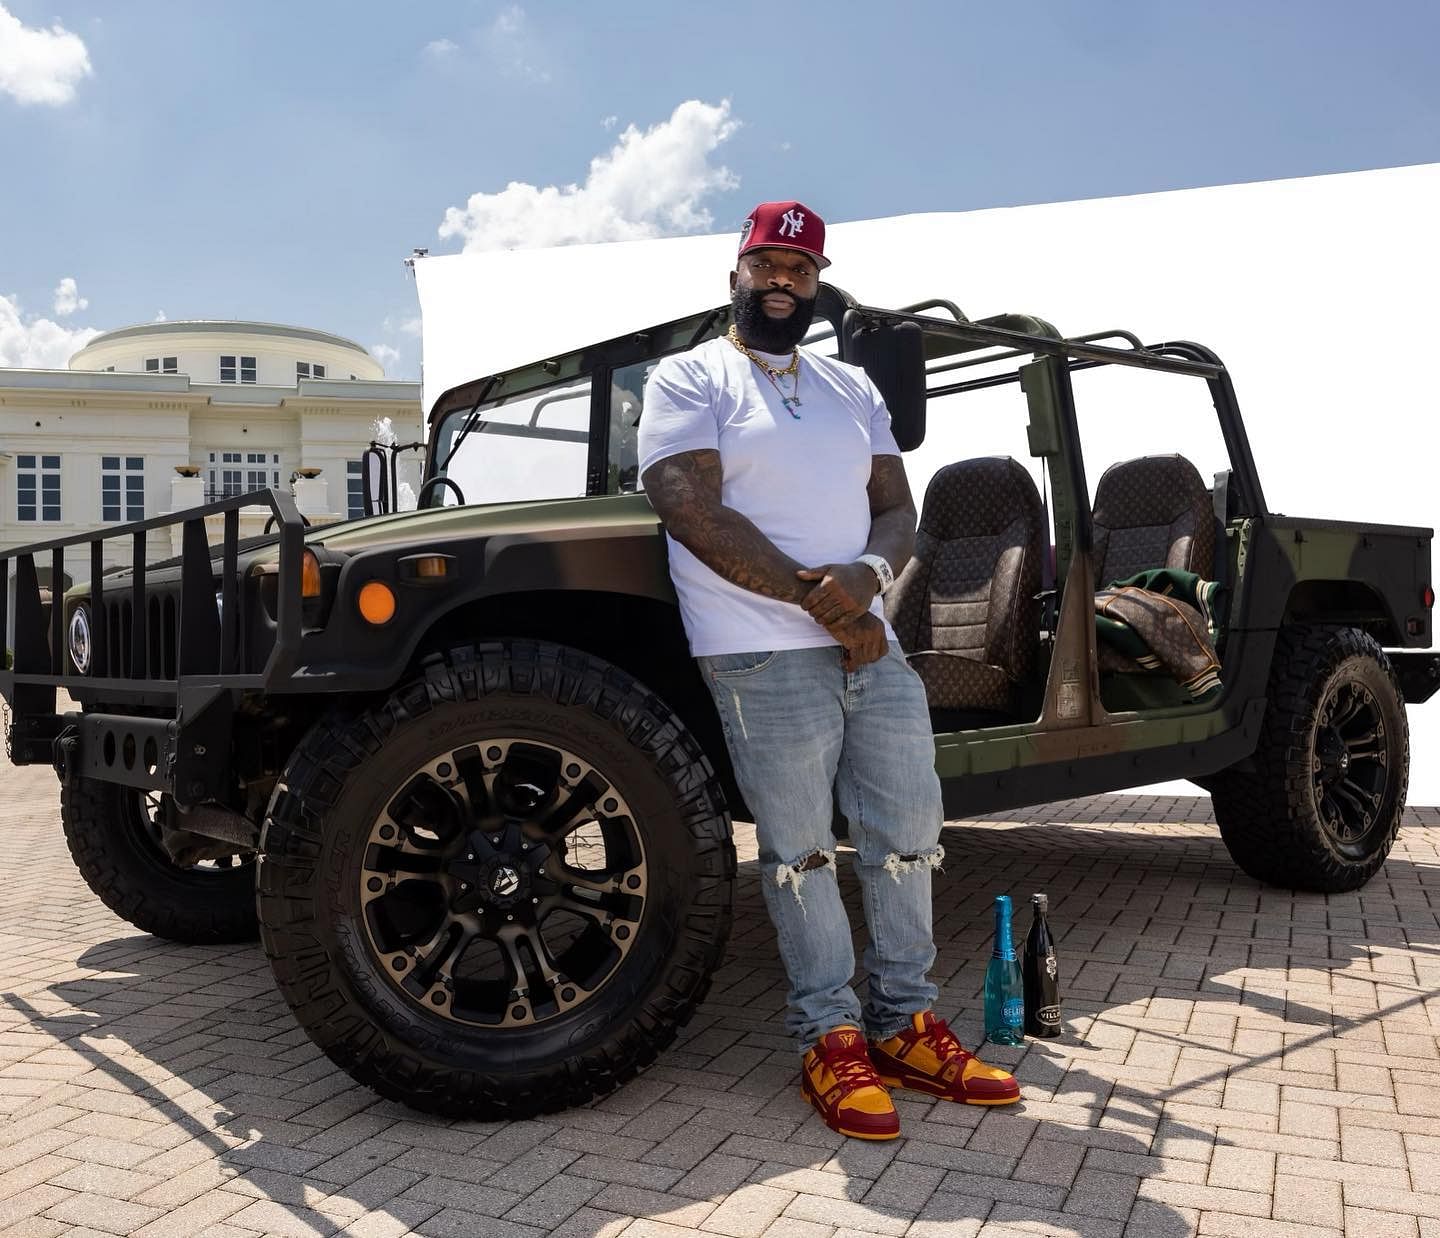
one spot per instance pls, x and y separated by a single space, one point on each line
774 374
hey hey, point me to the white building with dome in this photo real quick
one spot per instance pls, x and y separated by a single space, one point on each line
164 416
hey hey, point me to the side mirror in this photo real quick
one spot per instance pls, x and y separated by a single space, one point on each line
376 492
893 355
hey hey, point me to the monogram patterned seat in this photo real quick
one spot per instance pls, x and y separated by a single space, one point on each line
1154 511
964 608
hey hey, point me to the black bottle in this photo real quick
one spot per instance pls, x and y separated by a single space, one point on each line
1042 975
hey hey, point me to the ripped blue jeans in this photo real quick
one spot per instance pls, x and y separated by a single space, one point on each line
805 735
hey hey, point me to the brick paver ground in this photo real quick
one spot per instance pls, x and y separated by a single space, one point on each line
1236 1061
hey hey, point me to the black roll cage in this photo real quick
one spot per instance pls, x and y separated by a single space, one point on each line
1013 335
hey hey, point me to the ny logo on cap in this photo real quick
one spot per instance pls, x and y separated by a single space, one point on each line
792 222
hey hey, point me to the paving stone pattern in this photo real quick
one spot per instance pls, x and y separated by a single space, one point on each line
1236 1061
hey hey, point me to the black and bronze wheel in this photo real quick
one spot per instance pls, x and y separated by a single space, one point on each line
114 837
1351 766
504 884
504 889
1322 806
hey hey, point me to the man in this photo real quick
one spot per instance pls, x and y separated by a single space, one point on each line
787 511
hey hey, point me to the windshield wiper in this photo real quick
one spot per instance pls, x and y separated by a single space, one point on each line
471 421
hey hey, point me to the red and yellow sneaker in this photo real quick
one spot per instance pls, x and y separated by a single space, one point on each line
837 1078
926 1057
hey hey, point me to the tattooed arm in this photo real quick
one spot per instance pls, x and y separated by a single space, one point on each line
892 512
684 490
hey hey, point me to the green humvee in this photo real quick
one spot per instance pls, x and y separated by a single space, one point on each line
458 768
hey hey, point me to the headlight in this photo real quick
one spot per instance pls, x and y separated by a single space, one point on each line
311 584
80 639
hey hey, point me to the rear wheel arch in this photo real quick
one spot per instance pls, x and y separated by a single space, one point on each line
1351 603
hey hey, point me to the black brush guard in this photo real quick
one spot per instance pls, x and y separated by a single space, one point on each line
178 740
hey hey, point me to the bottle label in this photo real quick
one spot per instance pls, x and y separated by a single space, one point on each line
1052 969
1013 1012
1049 1016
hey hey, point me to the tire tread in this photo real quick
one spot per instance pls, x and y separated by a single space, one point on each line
291 852
1267 817
214 913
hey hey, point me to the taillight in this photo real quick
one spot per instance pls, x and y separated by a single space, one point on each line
1428 598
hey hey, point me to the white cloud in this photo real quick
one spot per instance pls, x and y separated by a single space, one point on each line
401 324
31 342
399 349
648 184
609 122
159 316
39 65
440 48
514 48
68 298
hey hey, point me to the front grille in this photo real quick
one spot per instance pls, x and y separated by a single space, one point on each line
162 638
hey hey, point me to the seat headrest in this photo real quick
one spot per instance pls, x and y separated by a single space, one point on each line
1149 490
979 497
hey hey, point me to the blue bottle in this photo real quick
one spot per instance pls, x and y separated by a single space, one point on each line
1004 987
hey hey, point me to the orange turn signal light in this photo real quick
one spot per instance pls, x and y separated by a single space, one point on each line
309 575
376 601
430 567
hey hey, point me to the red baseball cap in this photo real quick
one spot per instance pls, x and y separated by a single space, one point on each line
785 225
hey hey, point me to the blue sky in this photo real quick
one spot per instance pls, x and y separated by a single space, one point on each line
278 160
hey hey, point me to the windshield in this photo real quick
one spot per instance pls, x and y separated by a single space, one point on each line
531 446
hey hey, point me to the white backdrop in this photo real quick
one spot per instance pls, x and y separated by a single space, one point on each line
1322 296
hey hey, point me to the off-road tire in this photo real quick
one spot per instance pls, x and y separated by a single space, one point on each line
316 935
134 877
1270 819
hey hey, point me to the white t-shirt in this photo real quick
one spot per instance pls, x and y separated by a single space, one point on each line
801 480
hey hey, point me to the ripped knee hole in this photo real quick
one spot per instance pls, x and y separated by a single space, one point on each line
898 863
794 873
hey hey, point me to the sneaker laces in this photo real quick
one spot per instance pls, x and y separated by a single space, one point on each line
943 1041
851 1066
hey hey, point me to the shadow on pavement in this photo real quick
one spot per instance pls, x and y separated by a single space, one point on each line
1180 974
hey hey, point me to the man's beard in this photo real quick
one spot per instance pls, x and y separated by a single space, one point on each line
768 334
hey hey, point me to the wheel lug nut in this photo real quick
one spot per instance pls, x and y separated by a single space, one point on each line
509 917
464 886
534 900
470 855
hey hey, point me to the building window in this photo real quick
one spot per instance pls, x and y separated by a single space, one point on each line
122 488
37 487
354 489
162 365
237 369
309 369
260 478
240 472
225 475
